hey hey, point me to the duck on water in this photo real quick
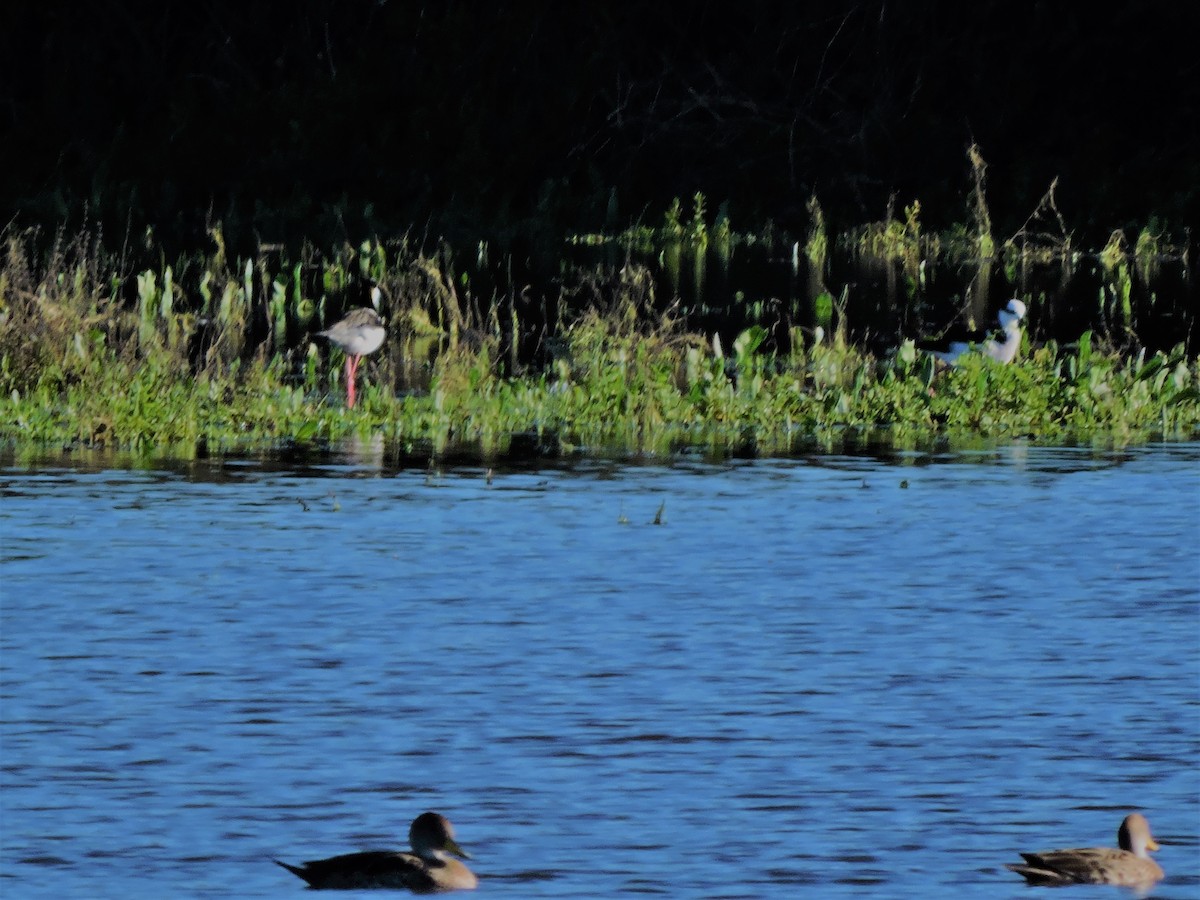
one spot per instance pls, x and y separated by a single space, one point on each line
1128 865
429 869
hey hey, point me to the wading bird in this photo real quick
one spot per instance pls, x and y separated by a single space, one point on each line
359 333
429 869
1002 349
1130 866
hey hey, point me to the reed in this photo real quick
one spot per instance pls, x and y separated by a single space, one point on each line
209 354
985 242
894 240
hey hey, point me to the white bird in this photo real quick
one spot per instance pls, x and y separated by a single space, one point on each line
1002 349
360 333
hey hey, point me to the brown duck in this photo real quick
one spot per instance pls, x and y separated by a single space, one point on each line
429 869
1130 866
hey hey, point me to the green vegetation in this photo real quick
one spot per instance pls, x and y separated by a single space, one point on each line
210 355
895 240
983 218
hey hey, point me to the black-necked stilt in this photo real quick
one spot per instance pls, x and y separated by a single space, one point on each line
1002 349
359 333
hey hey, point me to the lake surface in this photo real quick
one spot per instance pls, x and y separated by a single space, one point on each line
833 677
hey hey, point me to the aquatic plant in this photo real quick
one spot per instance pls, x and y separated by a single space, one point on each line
816 248
982 218
212 355
894 242
1042 238
1148 252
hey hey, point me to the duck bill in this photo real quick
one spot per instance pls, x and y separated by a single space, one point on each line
452 847
1151 844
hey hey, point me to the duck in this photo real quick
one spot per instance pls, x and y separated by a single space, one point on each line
1001 349
1129 866
360 333
428 869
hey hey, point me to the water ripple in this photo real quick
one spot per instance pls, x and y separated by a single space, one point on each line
843 676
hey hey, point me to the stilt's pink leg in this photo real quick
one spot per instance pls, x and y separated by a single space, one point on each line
350 367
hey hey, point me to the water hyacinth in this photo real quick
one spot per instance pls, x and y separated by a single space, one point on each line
230 366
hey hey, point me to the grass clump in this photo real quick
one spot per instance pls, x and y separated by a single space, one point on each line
211 355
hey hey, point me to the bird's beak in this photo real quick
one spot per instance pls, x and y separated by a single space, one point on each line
452 847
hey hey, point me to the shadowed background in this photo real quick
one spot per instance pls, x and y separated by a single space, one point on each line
323 120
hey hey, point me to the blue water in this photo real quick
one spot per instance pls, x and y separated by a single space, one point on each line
835 677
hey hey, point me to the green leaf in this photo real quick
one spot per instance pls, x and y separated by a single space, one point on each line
1151 368
1187 395
746 343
